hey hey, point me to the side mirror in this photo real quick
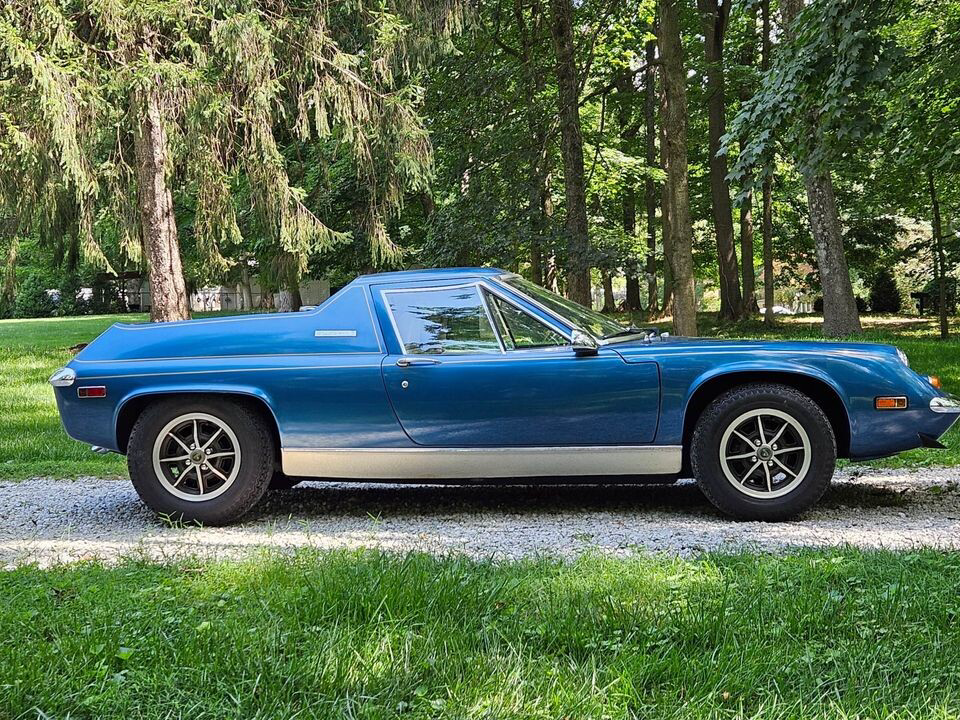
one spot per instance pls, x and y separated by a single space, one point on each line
583 344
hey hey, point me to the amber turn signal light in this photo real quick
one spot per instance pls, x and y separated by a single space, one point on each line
890 402
934 380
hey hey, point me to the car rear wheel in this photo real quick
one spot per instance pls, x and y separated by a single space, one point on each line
207 460
763 452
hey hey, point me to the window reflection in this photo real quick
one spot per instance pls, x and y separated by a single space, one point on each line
518 329
442 321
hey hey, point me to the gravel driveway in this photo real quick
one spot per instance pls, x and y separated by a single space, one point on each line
46 520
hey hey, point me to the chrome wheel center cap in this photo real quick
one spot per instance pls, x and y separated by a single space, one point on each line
764 452
196 457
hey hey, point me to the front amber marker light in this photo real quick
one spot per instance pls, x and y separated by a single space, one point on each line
934 380
895 402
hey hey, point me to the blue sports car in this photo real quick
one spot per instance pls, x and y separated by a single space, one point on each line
476 373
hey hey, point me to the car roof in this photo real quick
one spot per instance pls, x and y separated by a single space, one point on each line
429 274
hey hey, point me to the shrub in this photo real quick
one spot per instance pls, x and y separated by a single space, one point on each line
884 294
32 300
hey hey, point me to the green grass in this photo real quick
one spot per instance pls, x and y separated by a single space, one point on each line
33 443
837 634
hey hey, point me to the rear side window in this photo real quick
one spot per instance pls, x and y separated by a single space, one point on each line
442 321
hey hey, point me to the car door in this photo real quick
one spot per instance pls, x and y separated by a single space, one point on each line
474 369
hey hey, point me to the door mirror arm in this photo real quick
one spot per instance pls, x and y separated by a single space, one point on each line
583 343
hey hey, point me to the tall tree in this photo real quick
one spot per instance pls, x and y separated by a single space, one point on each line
767 191
677 195
650 189
840 315
747 52
574 177
939 261
715 15
808 100
207 95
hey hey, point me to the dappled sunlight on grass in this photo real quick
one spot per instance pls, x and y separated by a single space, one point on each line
372 635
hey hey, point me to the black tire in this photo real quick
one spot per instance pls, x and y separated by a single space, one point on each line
753 498
279 481
248 484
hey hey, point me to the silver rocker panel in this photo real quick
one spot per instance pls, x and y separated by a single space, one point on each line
468 463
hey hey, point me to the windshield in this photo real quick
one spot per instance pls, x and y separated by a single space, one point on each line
577 315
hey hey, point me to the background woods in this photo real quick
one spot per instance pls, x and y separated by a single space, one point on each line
656 157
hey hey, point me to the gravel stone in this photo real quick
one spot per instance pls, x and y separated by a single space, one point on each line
48 521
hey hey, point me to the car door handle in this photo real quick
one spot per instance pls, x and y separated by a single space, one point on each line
408 362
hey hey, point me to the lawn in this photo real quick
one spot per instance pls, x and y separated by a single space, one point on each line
33 443
364 635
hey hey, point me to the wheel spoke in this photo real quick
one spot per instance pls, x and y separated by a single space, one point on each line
741 456
766 470
196 434
175 459
216 472
785 468
180 442
220 455
779 432
199 479
781 451
212 438
763 438
750 472
743 437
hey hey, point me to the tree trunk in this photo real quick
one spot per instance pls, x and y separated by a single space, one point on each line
768 251
650 189
939 262
678 196
840 316
539 157
167 287
628 134
767 187
571 147
609 303
750 307
8 295
629 229
246 290
714 18
666 232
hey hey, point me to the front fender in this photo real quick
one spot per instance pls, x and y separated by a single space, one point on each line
757 367
683 386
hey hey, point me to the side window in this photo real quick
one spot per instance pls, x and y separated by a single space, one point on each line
520 330
442 321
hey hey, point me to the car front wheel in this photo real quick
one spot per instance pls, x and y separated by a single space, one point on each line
763 452
207 460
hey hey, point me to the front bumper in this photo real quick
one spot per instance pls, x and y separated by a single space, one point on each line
945 405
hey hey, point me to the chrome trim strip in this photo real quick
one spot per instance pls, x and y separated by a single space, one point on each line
230 370
469 463
945 404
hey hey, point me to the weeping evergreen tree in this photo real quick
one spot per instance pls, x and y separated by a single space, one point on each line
107 107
